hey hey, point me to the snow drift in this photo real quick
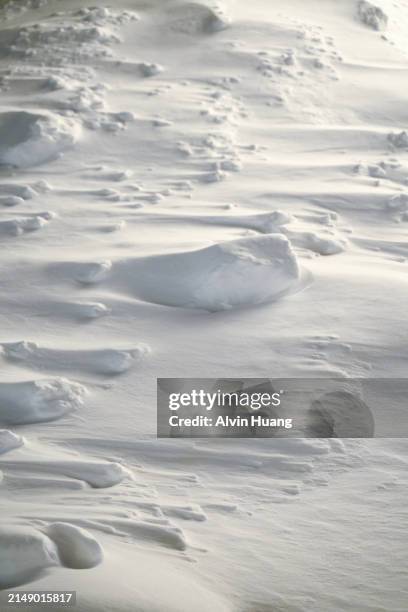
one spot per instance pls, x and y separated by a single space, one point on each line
225 275
26 552
36 401
29 139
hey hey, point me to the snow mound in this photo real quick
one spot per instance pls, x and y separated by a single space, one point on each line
320 244
77 548
225 275
97 474
372 16
38 400
90 273
22 225
148 70
29 139
81 310
11 200
9 441
99 361
399 140
194 18
25 192
166 534
24 554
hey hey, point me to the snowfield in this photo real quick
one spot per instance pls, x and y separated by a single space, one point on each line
199 189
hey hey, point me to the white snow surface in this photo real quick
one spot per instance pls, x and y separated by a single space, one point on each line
28 139
199 189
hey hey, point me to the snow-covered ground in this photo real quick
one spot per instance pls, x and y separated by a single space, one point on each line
190 189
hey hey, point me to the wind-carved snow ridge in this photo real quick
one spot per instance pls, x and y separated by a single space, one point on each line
29 139
16 190
26 552
22 225
232 274
104 362
38 400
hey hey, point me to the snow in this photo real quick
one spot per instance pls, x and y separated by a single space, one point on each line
28 139
38 400
105 361
226 275
76 547
372 15
9 440
26 552
201 189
